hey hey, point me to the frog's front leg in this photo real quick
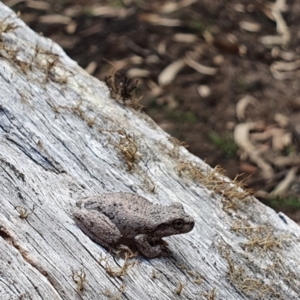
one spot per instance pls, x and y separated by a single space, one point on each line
97 226
142 242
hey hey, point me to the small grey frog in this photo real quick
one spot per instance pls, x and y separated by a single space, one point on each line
108 219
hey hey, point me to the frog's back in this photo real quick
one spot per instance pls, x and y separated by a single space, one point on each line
125 205
126 201
129 212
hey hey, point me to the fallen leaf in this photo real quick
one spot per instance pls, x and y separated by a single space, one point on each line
111 12
198 67
91 68
170 72
242 105
185 38
157 20
281 119
284 185
55 19
38 5
135 72
170 7
241 138
250 26
280 139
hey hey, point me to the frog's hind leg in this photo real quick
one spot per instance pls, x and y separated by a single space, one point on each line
97 226
143 245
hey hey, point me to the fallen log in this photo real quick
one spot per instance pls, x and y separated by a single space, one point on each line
63 138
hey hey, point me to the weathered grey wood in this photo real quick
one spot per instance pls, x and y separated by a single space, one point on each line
60 141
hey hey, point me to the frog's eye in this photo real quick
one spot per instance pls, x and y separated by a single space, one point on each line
178 223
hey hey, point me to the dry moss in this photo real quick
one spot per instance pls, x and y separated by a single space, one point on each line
232 192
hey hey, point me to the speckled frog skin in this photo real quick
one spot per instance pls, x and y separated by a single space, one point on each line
108 218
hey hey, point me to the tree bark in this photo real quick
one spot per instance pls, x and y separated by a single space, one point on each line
63 139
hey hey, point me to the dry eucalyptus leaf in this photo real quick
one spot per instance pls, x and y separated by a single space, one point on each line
198 67
242 105
155 90
287 55
281 119
250 26
157 20
55 19
280 139
284 185
281 26
274 12
241 138
73 11
38 5
91 68
162 47
283 161
271 40
170 7
170 72
280 5
285 70
111 12
135 72
71 27
286 66
120 64
152 59
247 168
185 38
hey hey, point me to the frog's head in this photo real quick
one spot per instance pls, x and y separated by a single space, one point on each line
175 221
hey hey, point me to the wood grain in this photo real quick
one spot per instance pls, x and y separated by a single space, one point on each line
60 137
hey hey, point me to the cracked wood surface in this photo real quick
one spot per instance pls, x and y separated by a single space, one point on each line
62 139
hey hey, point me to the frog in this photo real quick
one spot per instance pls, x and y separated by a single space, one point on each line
110 219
